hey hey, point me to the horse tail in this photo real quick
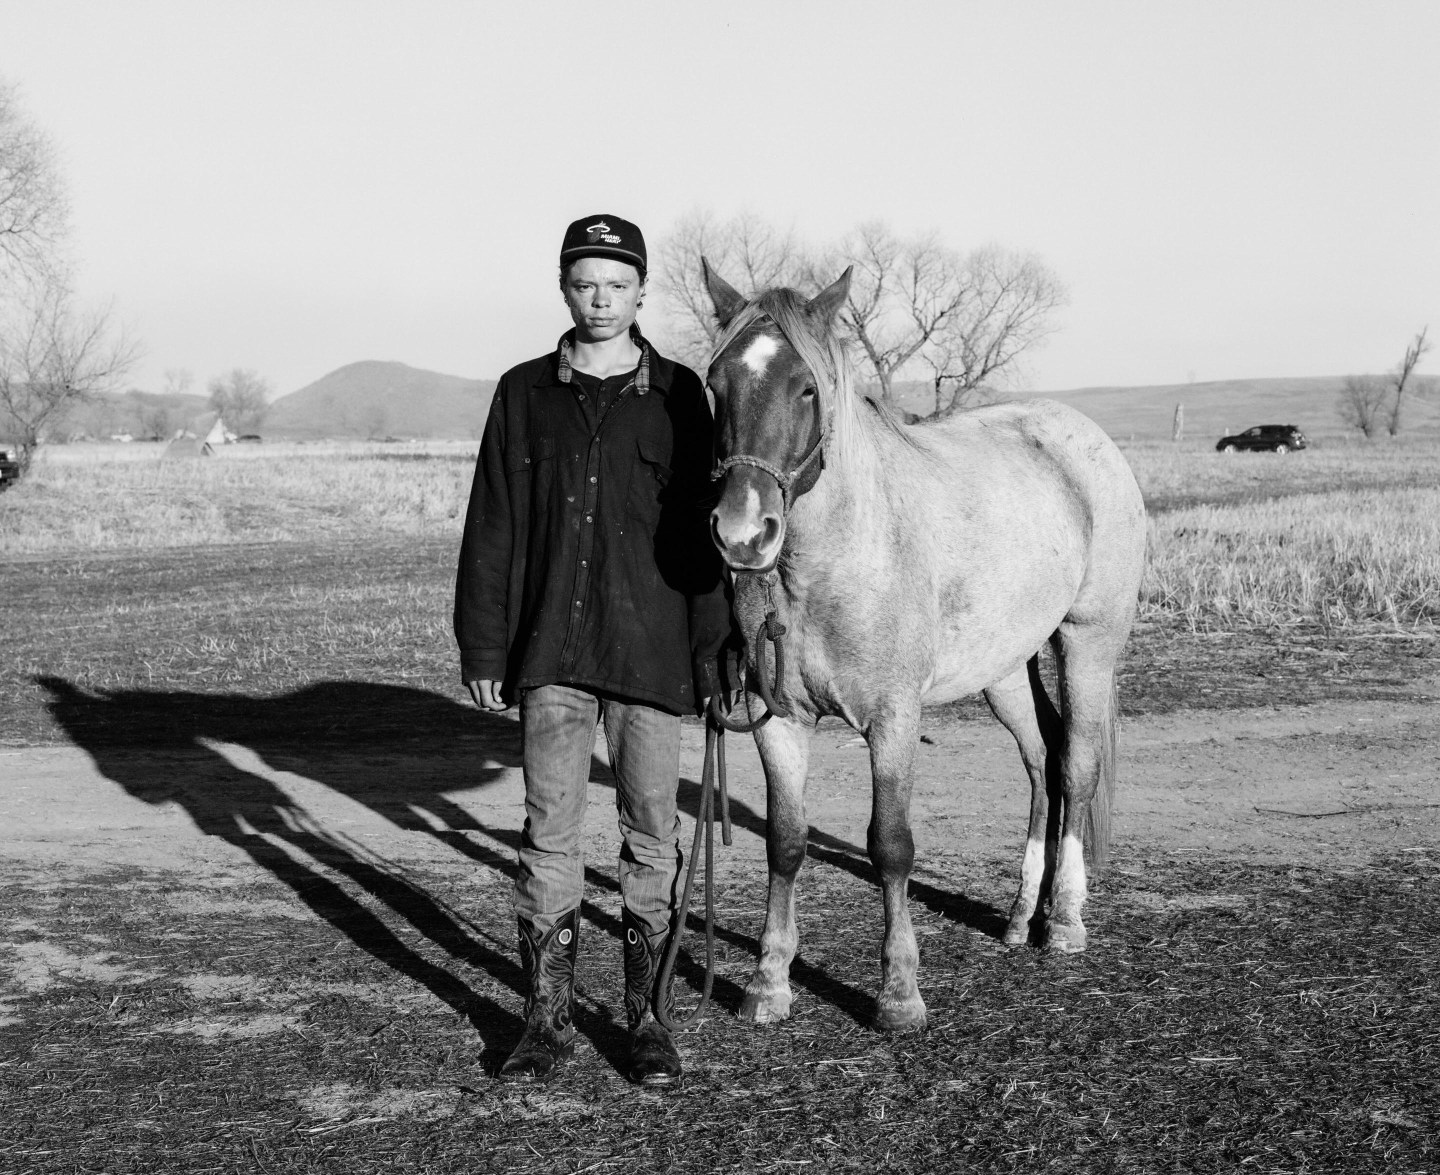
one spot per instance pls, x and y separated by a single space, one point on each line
1096 829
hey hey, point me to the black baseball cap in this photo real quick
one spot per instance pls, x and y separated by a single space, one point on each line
604 236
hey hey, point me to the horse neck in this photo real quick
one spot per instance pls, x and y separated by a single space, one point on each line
849 502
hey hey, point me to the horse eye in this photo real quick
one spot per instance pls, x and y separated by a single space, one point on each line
808 394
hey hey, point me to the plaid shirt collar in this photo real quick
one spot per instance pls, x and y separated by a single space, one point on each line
642 373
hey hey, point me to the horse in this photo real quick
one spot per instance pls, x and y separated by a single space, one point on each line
911 565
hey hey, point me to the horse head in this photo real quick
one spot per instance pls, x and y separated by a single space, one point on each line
773 375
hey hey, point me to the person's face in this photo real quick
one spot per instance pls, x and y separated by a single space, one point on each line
603 295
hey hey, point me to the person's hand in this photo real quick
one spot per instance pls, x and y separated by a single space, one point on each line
486 693
728 701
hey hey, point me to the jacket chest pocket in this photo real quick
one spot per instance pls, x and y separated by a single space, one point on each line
531 467
650 476
526 457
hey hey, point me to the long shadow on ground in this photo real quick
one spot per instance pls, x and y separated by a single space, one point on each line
137 739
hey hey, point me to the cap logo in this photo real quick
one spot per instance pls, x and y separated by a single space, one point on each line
600 231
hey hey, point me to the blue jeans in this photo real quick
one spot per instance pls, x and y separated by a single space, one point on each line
557 724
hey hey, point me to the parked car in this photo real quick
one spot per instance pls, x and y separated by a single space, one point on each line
1277 438
9 466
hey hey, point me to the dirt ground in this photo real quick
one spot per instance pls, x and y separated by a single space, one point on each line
1321 784
236 949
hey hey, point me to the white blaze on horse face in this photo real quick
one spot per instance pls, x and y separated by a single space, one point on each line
749 538
747 527
759 353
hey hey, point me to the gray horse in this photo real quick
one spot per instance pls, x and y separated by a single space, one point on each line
913 565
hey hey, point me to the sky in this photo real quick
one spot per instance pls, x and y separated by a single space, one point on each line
1227 190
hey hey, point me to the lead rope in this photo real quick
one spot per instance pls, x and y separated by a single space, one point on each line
770 629
712 774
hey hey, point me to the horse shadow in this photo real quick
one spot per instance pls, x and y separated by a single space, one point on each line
320 733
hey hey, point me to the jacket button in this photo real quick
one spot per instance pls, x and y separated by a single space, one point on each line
588 518
592 481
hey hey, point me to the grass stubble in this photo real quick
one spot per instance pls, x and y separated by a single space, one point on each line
1232 1016
1235 1017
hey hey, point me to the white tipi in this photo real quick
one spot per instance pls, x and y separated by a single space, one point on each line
200 441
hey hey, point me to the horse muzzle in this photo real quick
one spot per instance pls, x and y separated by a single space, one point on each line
748 526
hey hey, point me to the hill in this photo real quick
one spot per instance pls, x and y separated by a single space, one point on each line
371 400
1217 408
1224 406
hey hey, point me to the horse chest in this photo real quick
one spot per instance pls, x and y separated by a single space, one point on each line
847 651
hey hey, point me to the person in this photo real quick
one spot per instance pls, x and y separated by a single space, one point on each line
589 591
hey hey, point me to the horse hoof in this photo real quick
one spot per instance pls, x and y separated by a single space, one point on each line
764 1008
907 1016
1017 932
1065 938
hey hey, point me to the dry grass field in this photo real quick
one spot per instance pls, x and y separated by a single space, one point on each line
217 636
108 497
1340 535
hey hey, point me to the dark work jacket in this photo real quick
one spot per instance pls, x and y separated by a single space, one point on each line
587 557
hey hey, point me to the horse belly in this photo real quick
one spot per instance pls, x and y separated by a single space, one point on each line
989 625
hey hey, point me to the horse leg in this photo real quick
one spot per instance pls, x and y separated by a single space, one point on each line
1087 703
893 741
785 753
1020 702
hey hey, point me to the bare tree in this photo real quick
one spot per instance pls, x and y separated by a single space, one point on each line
1413 353
158 420
178 381
902 295
242 398
33 209
51 356
913 301
751 254
1361 402
1006 307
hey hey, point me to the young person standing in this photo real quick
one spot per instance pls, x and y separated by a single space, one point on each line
589 592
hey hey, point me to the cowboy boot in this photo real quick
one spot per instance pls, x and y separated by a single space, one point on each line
653 1059
549 965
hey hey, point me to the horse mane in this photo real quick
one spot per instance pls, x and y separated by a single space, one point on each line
829 363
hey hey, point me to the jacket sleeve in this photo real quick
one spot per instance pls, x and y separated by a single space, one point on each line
713 647
482 582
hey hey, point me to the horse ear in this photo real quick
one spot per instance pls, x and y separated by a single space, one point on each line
728 300
826 304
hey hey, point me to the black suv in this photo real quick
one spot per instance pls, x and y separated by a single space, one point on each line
1277 438
9 467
